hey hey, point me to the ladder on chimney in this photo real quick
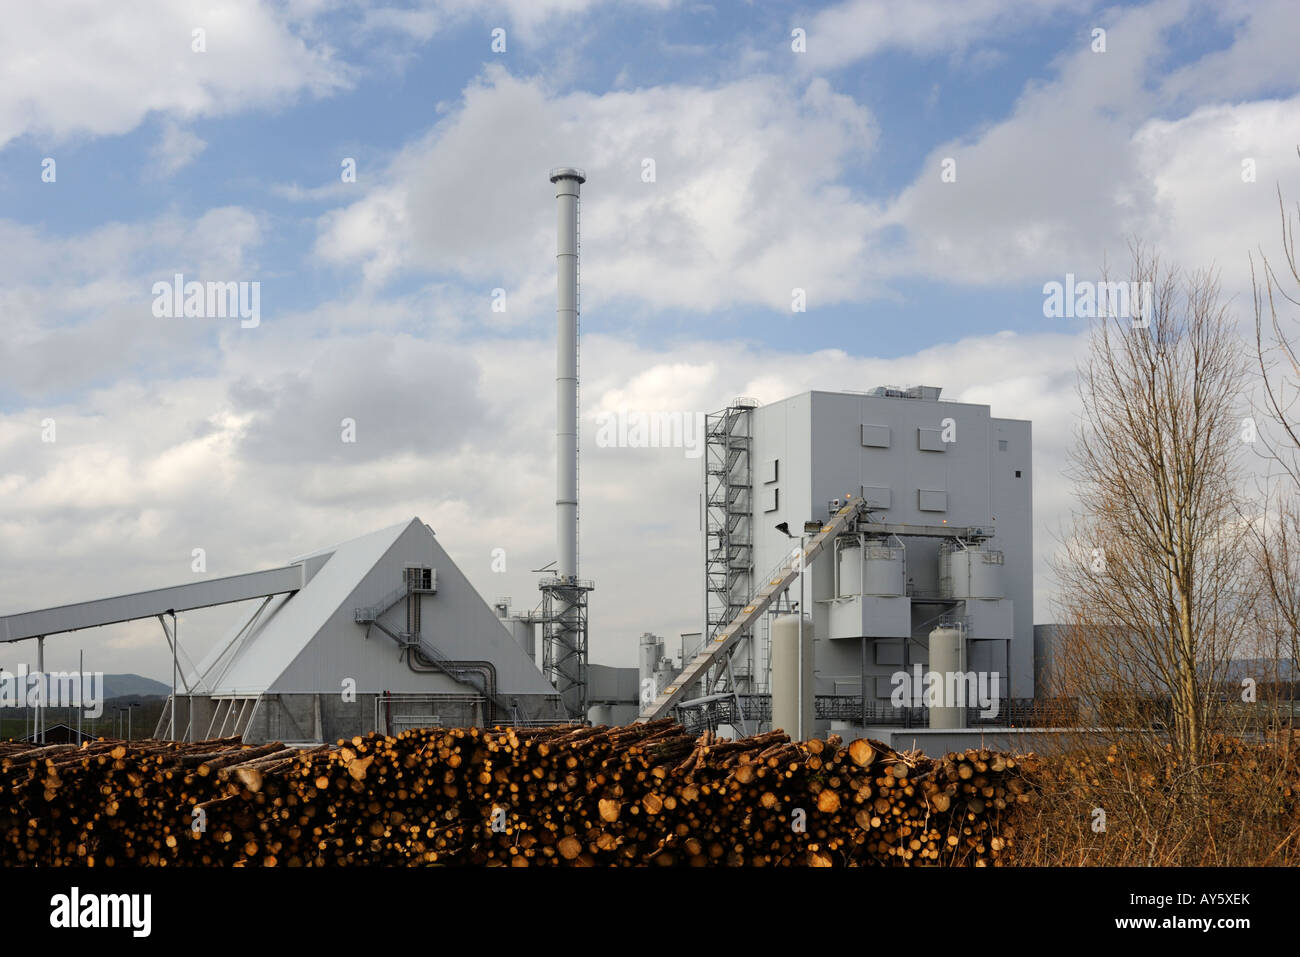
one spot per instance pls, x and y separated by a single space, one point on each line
727 638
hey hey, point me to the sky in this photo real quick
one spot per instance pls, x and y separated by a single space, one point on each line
916 171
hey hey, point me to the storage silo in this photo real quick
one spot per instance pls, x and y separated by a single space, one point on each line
871 567
884 571
525 632
970 571
849 569
946 664
786 673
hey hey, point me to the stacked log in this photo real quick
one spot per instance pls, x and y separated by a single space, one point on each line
641 795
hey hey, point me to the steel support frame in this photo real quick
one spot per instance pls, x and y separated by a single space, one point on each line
564 640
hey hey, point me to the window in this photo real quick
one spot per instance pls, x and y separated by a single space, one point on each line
1002 445
419 579
1017 473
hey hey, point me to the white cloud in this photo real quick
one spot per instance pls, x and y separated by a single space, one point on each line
85 67
859 29
176 149
746 204
1085 162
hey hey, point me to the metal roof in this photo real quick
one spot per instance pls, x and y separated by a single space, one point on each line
286 627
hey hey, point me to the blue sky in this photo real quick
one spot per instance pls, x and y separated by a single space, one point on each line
775 169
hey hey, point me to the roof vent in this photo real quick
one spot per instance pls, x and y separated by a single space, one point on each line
928 392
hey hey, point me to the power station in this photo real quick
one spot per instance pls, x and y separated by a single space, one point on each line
850 540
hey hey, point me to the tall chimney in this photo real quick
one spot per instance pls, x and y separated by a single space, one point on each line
565 596
567 182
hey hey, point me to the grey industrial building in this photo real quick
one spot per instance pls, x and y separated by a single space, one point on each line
888 520
917 460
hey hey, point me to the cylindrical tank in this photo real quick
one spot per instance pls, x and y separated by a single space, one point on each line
785 675
664 674
946 661
971 572
850 570
649 651
525 633
884 573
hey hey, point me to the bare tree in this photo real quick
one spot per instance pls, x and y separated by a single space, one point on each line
1277 528
1154 584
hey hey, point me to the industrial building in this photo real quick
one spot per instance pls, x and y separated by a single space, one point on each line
918 461
849 538
940 540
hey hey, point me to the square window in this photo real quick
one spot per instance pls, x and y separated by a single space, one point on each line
1002 445
1017 473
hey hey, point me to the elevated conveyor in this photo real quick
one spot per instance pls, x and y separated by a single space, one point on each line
842 521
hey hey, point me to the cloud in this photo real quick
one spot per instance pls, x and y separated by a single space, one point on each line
860 29
1086 161
85 67
746 201
175 150
78 309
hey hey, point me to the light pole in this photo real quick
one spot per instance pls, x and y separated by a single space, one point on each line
175 642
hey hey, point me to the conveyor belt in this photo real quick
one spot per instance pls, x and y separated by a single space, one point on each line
719 646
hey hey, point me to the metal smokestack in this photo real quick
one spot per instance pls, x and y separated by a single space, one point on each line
564 597
567 182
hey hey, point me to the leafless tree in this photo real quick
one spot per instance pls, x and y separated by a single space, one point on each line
1277 527
1155 591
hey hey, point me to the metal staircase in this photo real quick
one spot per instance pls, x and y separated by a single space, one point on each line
726 639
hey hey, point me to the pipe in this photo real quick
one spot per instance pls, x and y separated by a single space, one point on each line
40 702
460 670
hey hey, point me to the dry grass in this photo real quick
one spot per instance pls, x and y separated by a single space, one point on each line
1239 807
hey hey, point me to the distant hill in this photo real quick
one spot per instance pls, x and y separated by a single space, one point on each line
117 686
120 686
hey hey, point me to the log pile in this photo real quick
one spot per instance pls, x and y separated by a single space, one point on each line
640 795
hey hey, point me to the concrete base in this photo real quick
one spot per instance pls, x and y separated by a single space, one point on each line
939 741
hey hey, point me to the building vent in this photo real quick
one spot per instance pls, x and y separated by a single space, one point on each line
420 578
928 392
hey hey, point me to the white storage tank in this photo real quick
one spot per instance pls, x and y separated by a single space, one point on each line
971 571
785 675
525 633
946 659
649 653
850 570
885 571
